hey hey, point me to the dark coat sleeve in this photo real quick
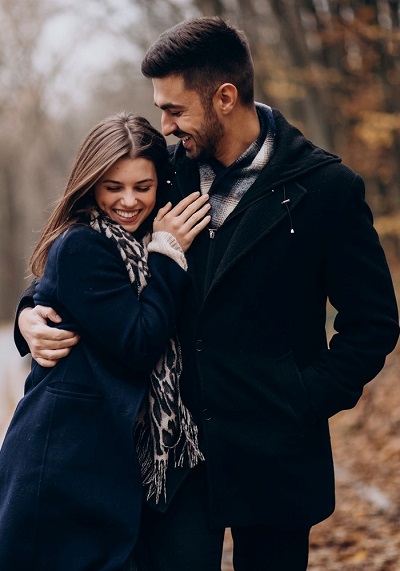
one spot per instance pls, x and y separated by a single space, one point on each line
25 301
360 289
87 284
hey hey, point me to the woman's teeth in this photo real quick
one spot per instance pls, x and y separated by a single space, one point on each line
124 214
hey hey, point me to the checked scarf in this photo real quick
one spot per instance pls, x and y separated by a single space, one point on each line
226 186
164 424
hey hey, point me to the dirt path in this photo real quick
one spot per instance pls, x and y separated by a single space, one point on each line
364 532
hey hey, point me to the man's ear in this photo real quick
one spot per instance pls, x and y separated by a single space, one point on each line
225 98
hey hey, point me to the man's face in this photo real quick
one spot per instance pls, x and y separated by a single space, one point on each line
184 116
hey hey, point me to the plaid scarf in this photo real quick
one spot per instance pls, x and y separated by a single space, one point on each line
164 424
227 185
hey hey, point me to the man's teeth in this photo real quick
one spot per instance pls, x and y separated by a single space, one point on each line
124 214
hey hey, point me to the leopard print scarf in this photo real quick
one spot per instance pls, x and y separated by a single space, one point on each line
164 425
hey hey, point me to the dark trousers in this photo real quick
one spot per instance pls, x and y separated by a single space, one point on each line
182 540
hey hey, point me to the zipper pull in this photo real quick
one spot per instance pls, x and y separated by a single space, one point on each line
212 232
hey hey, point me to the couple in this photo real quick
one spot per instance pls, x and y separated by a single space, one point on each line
243 418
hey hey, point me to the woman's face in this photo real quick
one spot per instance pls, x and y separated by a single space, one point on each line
127 192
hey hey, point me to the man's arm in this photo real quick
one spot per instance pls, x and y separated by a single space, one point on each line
46 344
360 288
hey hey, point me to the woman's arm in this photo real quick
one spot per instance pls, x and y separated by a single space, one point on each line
49 344
87 282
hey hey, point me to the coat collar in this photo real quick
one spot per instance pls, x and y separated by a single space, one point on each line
293 156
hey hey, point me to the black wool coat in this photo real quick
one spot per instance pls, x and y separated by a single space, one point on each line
259 375
70 484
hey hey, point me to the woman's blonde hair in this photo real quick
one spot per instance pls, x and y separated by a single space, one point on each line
121 135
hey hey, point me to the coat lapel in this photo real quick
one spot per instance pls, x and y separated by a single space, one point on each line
261 210
259 216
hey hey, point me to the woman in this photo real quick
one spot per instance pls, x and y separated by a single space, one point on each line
70 480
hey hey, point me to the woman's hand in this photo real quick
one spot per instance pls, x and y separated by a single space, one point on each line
185 220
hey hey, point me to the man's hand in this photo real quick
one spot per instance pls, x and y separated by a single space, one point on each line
47 344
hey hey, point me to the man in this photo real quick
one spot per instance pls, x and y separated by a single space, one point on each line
289 229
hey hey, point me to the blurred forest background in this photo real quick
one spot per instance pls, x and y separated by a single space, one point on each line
332 67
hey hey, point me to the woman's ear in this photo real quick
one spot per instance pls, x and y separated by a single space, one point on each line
225 98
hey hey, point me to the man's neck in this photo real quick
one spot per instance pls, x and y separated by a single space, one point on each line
240 132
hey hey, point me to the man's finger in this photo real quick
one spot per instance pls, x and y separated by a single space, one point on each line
63 337
47 313
46 362
50 356
54 344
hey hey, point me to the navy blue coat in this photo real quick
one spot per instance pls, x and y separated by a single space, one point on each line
70 486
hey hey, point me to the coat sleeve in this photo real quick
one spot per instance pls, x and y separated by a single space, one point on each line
25 301
360 289
93 286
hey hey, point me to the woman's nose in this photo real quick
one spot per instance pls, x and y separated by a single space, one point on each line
129 198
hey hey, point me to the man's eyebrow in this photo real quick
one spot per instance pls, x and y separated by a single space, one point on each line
168 106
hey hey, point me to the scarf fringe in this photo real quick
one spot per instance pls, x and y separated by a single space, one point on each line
153 467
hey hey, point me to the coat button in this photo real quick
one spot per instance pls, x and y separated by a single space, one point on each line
199 345
206 414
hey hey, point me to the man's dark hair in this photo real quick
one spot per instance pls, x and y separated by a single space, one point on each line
206 52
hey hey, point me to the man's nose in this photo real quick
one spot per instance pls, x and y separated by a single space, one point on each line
168 125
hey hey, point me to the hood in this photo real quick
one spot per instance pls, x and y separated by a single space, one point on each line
294 155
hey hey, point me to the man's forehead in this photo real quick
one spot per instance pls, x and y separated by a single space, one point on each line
170 92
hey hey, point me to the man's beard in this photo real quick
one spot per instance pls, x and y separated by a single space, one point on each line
209 137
